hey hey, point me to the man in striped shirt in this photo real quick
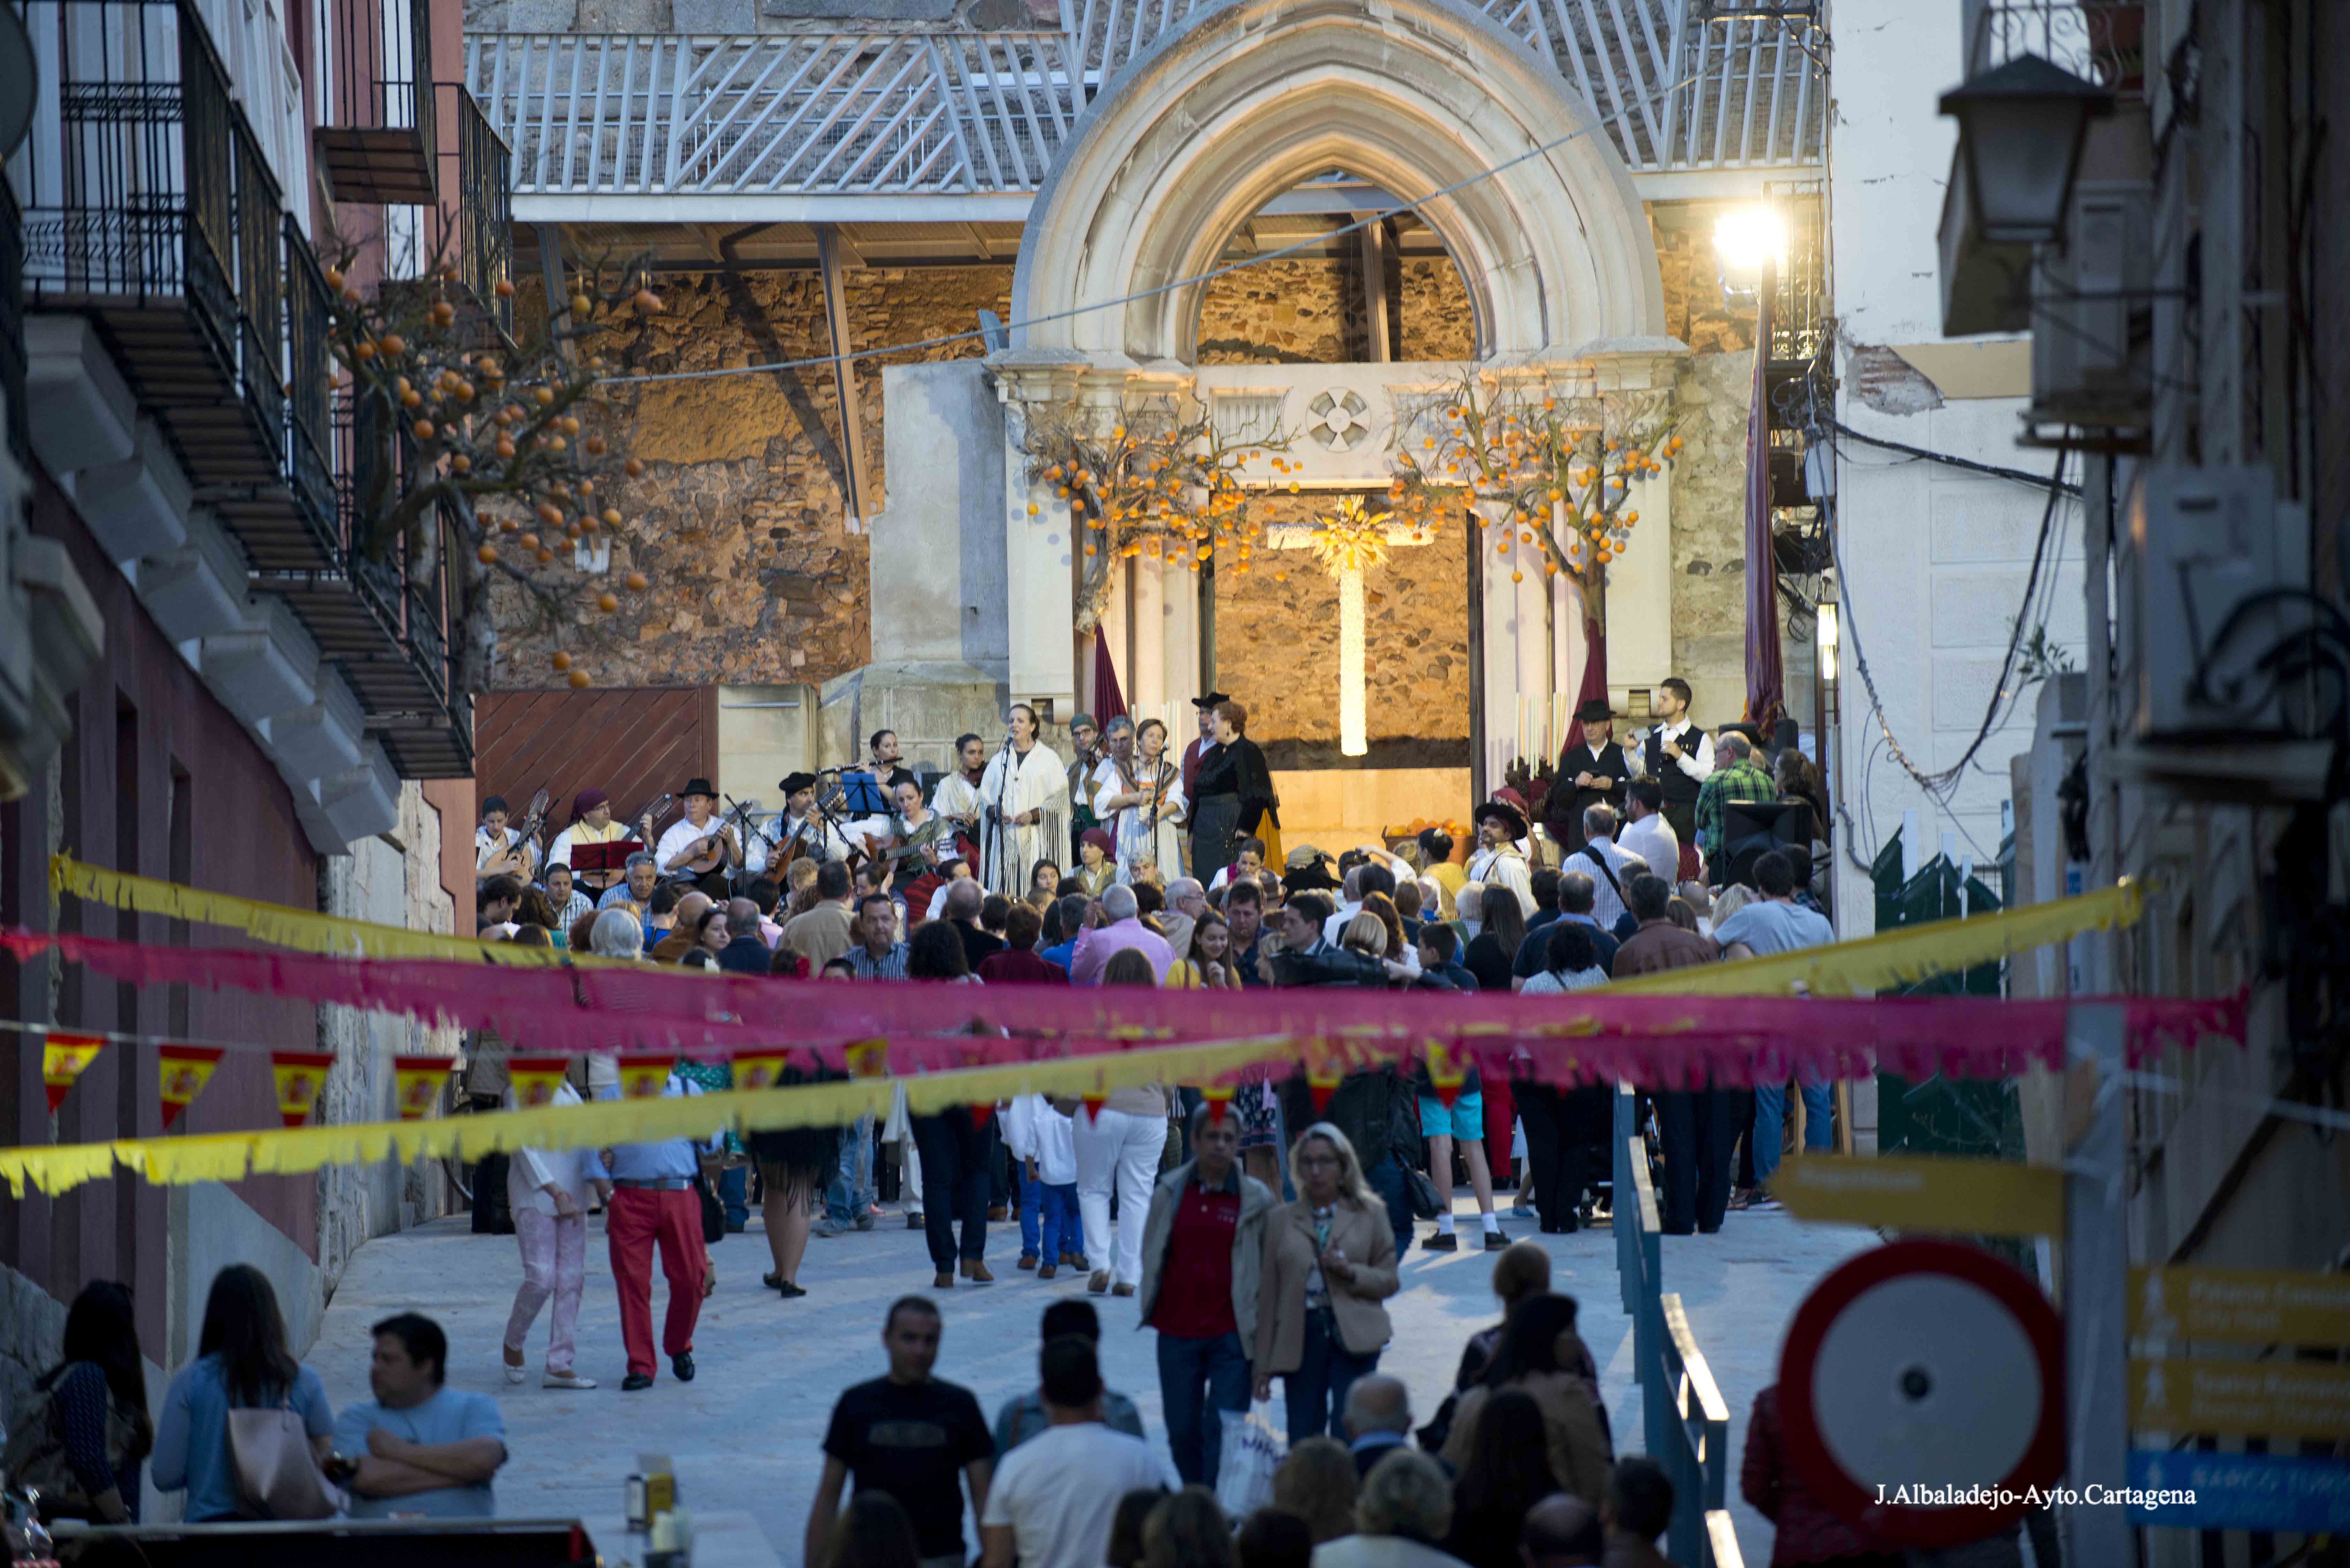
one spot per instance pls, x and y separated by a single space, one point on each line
880 956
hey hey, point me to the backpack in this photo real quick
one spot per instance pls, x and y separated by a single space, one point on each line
36 1455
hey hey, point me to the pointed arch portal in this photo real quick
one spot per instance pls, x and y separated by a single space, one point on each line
1432 102
1192 137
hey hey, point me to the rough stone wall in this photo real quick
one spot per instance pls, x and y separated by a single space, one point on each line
1415 639
739 520
1310 311
1436 321
32 1332
1695 311
758 16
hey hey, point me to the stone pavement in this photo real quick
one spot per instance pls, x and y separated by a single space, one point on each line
746 1434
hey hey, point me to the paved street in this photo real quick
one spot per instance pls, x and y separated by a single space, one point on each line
745 1433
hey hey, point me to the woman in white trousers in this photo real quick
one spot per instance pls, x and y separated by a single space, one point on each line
1120 1144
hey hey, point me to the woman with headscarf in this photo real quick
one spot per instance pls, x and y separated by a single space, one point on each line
1233 797
1542 1355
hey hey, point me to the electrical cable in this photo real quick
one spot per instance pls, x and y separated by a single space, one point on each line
1311 241
2017 475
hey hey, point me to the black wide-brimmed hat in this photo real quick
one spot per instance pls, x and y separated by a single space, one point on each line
1596 711
1511 816
792 783
1210 700
698 786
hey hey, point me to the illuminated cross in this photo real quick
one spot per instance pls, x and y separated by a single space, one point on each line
1347 566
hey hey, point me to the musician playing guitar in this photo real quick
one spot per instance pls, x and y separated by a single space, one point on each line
698 848
925 839
804 831
499 850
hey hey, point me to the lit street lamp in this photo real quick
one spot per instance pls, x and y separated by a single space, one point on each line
2021 131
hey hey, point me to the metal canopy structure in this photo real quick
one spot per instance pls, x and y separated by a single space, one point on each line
962 127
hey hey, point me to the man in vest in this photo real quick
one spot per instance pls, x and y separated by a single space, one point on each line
1677 755
1593 768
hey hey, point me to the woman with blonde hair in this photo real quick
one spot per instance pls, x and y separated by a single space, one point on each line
1330 1261
1318 1481
1365 934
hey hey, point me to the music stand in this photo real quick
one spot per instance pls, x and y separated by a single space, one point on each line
603 858
861 795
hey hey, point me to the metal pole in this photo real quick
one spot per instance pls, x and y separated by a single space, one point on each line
2095 1273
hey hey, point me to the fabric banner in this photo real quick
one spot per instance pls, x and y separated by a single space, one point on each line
284 925
181 1072
301 1078
63 1059
533 1079
637 1006
416 1085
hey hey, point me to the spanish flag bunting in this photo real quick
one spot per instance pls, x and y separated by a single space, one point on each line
1445 1072
63 1057
181 1072
1321 1081
301 1078
642 1073
1219 1099
416 1085
980 1111
533 1079
760 1069
867 1058
1095 1099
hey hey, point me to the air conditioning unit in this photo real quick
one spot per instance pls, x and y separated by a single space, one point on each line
2222 688
2092 313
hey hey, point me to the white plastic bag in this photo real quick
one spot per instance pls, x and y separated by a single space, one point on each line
1254 1448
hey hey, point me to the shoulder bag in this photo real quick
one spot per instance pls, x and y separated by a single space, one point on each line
277 1473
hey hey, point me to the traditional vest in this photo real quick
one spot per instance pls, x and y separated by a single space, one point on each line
1679 787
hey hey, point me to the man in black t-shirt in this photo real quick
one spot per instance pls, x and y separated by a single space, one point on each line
908 1434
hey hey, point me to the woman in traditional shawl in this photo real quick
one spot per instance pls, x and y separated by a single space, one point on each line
1235 794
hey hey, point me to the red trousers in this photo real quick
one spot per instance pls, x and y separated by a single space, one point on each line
635 1219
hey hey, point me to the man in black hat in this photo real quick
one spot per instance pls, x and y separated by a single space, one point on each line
803 824
698 848
1595 768
1498 861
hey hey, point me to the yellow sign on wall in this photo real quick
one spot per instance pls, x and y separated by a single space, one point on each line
2241 1399
2241 1306
1923 1192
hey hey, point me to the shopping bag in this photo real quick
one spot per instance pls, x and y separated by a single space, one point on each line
1254 1448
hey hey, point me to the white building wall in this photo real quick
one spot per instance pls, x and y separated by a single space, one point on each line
1935 557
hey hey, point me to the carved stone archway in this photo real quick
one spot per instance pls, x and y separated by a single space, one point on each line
1193 137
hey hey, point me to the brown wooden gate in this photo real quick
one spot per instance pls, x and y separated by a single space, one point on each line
633 743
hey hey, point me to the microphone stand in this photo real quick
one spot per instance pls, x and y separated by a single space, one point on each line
997 824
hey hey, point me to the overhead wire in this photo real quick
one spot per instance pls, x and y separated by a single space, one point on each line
1311 241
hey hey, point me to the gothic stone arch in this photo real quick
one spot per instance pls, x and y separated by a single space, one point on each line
1191 139
1193 136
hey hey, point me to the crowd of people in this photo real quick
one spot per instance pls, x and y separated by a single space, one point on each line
1626 863
1259 1237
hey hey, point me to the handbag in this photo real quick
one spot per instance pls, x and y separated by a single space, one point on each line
713 1213
278 1474
1421 1192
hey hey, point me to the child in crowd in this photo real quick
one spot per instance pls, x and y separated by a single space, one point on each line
1046 1142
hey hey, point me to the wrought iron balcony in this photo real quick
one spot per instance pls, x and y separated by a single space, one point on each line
149 207
477 232
377 141
12 321
2102 41
388 635
958 114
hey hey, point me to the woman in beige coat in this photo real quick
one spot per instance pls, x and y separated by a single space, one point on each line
1541 1354
1330 1261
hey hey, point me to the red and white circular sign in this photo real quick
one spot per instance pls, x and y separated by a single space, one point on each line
1922 1392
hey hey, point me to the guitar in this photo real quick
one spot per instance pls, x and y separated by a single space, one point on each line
533 825
718 847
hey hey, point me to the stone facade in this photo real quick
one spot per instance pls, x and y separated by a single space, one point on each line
740 524
758 15
1415 640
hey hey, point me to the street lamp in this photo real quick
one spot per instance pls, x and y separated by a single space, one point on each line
2021 131
1747 239
1828 638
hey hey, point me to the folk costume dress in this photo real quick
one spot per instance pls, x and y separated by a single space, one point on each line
1015 783
1130 827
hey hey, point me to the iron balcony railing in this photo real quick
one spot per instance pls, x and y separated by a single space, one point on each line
2103 41
377 140
149 207
970 113
12 321
483 211
311 383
